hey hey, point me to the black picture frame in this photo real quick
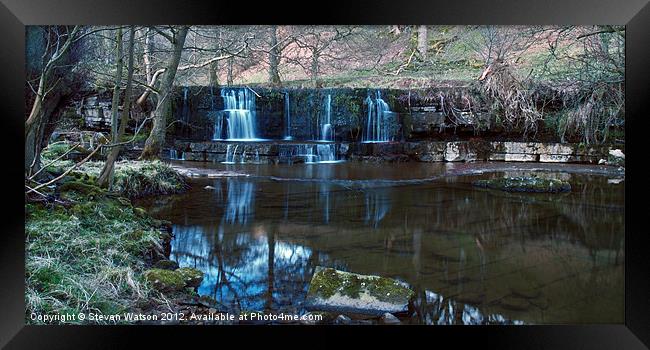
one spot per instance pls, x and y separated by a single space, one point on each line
16 14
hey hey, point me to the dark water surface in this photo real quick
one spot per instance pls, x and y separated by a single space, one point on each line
473 255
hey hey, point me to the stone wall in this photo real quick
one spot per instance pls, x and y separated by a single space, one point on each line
422 151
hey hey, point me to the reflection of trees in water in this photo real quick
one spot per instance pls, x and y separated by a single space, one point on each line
245 271
449 238
434 309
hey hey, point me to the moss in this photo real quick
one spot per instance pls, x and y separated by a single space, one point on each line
81 187
325 283
525 184
389 290
328 282
166 265
165 280
191 276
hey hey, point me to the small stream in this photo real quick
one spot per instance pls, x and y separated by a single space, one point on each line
474 256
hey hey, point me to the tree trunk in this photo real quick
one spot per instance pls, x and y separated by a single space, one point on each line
274 57
106 176
118 84
231 63
315 56
214 74
42 107
423 41
148 49
156 138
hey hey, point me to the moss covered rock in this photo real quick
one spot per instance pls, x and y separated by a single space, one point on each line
525 184
165 280
191 276
166 265
344 292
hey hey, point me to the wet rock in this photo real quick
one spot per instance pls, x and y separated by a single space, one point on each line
192 277
389 318
166 265
338 291
316 317
525 184
208 187
342 319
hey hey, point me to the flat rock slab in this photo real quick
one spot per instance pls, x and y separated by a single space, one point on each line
344 292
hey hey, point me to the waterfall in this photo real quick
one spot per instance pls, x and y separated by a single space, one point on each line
308 153
321 154
239 109
287 116
185 109
326 131
173 154
231 153
257 157
377 124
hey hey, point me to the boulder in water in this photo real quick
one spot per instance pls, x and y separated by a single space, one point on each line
344 292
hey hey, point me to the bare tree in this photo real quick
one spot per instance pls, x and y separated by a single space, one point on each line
156 137
106 175
423 41
55 58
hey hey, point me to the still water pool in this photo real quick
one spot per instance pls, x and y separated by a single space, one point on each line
473 255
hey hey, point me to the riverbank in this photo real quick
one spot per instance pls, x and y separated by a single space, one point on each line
90 251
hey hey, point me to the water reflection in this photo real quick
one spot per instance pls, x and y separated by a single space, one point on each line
377 205
474 256
240 202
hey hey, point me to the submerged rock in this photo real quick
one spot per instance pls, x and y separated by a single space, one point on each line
338 291
525 184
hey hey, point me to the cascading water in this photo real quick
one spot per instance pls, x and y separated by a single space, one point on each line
326 130
377 123
309 153
231 153
218 117
239 111
185 108
287 116
173 154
